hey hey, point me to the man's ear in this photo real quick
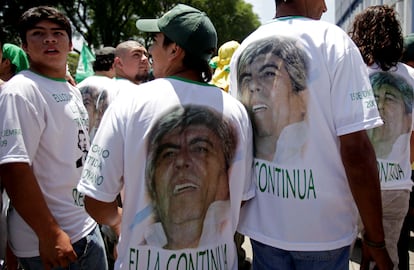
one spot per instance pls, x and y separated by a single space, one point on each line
6 61
117 61
24 47
177 52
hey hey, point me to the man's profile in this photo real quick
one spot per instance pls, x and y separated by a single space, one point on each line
189 154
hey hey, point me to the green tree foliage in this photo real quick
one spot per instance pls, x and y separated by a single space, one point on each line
108 22
233 19
10 11
73 59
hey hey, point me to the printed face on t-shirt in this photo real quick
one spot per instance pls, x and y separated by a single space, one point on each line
190 174
82 142
268 95
89 97
392 110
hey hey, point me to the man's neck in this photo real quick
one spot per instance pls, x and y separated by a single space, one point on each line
58 73
188 74
288 9
6 76
104 73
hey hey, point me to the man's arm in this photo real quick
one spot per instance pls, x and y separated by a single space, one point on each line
105 213
358 157
26 197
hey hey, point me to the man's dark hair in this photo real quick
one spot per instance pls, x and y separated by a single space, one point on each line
34 15
195 63
104 59
377 33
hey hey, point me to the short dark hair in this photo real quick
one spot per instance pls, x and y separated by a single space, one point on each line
36 14
104 59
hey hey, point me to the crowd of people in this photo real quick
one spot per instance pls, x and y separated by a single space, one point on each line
298 137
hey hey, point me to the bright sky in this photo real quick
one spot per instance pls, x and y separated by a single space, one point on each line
266 9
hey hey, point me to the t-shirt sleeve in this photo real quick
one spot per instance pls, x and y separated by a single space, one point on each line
353 102
250 182
102 175
21 126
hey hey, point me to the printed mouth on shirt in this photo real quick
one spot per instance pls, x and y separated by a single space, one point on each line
259 108
180 188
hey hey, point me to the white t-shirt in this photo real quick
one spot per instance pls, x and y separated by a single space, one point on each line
97 93
394 91
123 147
44 123
304 203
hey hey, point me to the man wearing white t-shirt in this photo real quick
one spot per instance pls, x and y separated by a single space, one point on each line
393 85
132 62
194 178
42 128
305 211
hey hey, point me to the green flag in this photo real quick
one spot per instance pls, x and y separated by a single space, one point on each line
84 68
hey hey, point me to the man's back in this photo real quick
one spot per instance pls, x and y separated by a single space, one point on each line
305 169
132 115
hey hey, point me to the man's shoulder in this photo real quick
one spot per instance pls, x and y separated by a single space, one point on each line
95 79
407 69
98 82
19 82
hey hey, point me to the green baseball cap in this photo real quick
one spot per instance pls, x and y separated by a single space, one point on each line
408 54
190 28
16 55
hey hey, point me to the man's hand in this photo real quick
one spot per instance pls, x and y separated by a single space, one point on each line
378 255
56 251
27 198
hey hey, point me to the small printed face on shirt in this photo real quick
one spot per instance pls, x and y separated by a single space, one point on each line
89 98
82 141
392 110
190 174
